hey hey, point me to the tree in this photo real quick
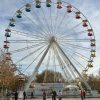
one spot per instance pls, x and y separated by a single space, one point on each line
49 77
94 82
7 73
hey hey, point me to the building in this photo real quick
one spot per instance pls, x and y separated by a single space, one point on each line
48 87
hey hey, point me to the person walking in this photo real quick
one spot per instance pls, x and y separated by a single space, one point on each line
81 94
44 95
16 95
60 95
24 95
54 95
84 93
32 95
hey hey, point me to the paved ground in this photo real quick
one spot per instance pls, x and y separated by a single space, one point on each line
56 99
67 99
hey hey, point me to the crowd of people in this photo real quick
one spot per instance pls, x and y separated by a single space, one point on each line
59 95
24 95
54 95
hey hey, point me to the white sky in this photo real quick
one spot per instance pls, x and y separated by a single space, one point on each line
90 8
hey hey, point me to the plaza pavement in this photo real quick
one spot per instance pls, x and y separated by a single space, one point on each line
56 99
65 99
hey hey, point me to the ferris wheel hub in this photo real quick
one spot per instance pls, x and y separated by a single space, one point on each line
53 39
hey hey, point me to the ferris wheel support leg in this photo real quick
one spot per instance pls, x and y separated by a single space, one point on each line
60 49
36 69
61 64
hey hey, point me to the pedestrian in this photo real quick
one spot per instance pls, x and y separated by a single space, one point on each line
24 95
16 95
8 95
81 94
44 95
54 95
32 95
59 95
84 93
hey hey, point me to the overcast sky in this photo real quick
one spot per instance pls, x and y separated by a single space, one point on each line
90 8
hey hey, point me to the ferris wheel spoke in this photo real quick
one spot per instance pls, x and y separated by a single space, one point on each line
31 35
68 22
69 61
46 21
33 23
34 60
30 54
76 61
54 63
31 32
40 22
51 21
55 21
82 56
75 40
73 34
40 30
80 48
77 46
71 70
47 65
62 65
70 54
37 67
27 41
72 28
75 26
26 48
74 67
78 54
60 23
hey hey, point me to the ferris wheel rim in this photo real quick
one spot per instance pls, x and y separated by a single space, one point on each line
75 8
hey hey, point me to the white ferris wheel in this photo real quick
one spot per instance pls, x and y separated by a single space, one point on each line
50 34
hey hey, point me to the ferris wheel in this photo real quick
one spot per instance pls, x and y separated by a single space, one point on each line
50 34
